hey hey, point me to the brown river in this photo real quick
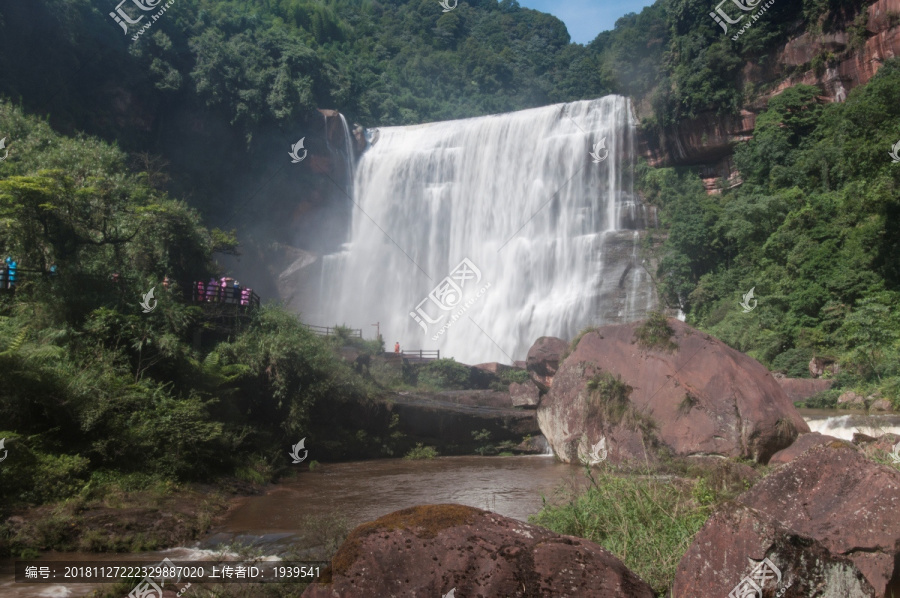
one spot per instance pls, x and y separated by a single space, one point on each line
362 491
357 491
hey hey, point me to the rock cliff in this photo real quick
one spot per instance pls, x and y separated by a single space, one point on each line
831 61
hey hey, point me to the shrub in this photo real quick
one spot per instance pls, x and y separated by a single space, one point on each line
827 399
257 471
655 333
445 374
421 452
793 363
483 436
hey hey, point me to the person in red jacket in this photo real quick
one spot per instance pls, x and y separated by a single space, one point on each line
397 347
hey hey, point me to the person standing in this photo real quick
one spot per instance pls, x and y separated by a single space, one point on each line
397 348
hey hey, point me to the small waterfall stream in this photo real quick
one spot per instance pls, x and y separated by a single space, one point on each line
839 425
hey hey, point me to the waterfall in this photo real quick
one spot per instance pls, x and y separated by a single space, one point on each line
350 155
478 236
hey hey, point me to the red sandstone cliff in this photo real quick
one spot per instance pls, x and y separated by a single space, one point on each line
708 140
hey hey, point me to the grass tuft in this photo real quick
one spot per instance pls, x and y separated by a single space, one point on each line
608 399
687 403
574 344
647 522
655 333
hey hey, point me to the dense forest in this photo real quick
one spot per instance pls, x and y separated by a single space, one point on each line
266 62
93 389
815 228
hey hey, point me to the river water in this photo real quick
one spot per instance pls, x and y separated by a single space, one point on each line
365 490
358 492
843 424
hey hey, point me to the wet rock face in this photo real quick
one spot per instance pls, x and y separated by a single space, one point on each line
543 360
429 550
728 555
692 394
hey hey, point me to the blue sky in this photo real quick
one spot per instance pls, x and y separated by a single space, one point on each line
586 18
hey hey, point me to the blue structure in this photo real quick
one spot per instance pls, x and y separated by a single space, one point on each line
8 275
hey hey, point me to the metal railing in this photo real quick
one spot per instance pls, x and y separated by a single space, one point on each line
422 355
328 331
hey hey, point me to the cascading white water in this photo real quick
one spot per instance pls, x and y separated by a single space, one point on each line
520 197
844 426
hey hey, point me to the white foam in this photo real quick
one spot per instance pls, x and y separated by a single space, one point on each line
844 426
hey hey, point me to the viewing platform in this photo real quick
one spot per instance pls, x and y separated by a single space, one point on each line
231 297
225 306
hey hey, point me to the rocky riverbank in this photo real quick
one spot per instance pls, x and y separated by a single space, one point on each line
704 478
121 521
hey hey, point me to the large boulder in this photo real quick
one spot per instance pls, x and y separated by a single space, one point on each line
691 393
430 550
803 443
742 552
543 360
881 405
848 503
